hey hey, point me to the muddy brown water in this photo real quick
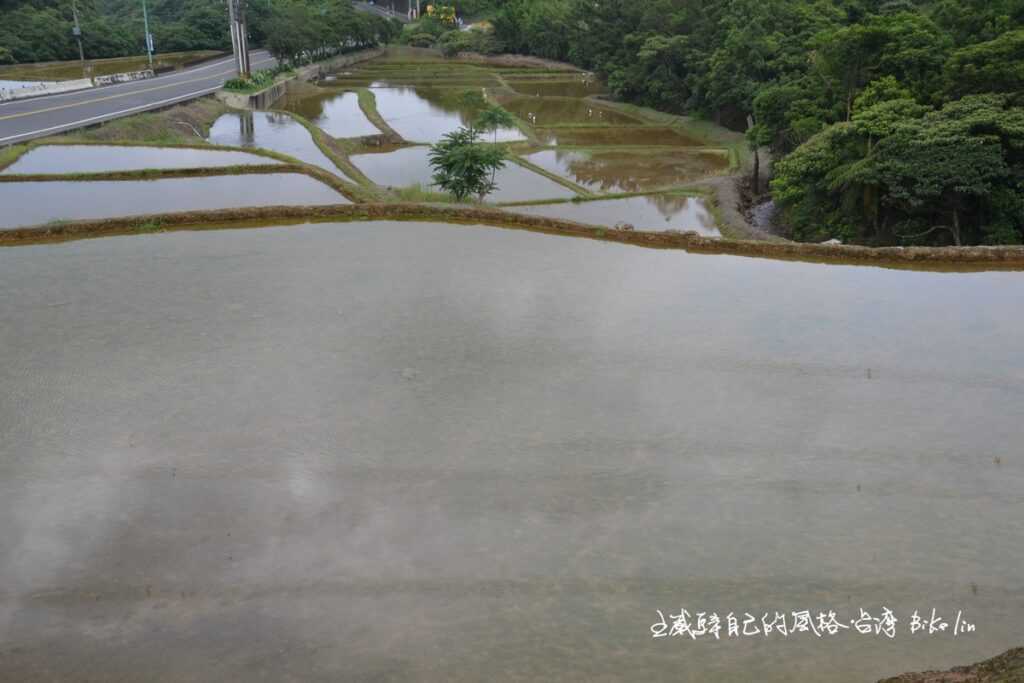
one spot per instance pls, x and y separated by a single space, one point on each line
616 135
99 158
546 111
337 113
34 203
627 170
424 114
568 88
652 212
274 131
450 453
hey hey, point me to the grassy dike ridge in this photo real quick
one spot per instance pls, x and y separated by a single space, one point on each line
366 190
914 258
368 103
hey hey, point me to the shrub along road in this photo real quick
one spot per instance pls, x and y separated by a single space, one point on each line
32 118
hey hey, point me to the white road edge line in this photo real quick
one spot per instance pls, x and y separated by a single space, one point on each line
50 98
113 114
110 115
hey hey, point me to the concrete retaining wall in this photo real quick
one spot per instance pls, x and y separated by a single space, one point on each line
57 87
265 99
7 95
123 78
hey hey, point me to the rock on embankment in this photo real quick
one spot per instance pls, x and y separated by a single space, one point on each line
1006 668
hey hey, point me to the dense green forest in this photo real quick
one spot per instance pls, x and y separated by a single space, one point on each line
894 121
40 30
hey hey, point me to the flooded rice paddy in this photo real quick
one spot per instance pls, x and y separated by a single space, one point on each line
569 88
519 184
34 203
411 166
56 159
400 451
558 111
428 114
651 212
273 131
587 137
336 113
617 170
397 168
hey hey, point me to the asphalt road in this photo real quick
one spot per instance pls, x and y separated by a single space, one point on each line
36 117
382 11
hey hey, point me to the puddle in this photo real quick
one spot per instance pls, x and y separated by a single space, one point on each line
553 112
573 88
99 158
400 168
337 114
587 137
42 202
270 130
625 171
653 212
427 114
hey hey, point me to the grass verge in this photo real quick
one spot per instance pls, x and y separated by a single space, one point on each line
183 123
8 155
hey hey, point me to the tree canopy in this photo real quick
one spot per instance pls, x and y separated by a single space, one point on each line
40 30
895 121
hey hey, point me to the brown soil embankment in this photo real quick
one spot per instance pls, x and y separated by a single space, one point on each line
924 258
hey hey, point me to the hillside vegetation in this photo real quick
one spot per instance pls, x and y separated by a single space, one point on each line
896 121
41 30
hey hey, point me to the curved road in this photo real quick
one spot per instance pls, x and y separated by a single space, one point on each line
381 11
32 118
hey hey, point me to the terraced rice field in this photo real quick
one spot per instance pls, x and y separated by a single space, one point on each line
370 125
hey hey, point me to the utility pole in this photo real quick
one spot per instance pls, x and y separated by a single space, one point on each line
149 36
239 36
77 32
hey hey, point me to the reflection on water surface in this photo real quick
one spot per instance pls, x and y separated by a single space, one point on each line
333 452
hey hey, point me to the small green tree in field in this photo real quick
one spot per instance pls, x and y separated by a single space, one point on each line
494 117
464 166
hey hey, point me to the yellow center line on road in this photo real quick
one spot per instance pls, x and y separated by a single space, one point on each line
127 94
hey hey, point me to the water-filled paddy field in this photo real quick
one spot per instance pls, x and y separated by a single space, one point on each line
368 124
337 451
56 159
646 212
336 113
274 131
384 450
33 203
